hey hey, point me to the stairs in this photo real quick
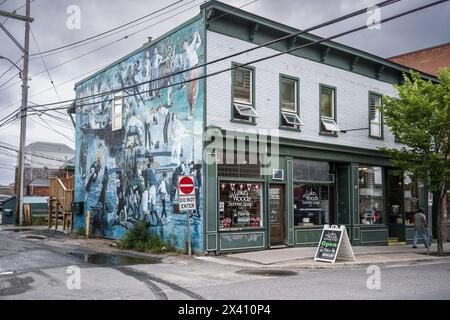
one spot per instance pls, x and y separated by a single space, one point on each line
60 203
395 241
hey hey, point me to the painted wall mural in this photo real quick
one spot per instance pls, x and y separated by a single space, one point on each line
131 174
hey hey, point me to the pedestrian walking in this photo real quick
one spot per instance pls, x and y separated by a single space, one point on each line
420 226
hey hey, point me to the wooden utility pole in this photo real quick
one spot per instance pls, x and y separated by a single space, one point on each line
23 109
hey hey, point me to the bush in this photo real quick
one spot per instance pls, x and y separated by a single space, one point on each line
141 239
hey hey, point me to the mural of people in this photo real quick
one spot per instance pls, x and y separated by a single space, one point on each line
192 58
131 174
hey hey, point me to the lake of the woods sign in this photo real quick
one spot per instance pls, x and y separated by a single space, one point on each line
334 244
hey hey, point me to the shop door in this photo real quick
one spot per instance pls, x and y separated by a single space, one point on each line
276 215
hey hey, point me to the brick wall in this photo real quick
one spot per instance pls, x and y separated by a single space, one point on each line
352 94
427 60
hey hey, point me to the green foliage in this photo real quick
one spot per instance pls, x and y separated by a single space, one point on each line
420 119
141 239
80 232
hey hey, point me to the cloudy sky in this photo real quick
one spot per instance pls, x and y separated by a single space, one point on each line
420 30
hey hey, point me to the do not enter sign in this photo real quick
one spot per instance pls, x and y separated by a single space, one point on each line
186 185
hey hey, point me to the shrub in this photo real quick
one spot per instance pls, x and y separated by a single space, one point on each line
141 239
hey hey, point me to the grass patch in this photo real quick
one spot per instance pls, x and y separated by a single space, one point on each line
139 238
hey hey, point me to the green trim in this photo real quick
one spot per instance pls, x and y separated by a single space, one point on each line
253 73
297 93
381 137
205 168
321 131
341 56
142 48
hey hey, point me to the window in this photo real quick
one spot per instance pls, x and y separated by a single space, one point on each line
328 110
311 205
413 190
394 196
240 205
371 200
117 111
289 102
307 170
375 116
243 100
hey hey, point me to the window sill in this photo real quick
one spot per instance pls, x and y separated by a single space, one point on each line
290 129
328 134
243 229
310 227
375 137
251 123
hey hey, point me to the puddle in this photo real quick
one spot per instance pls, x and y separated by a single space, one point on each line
113 260
268 272
17 229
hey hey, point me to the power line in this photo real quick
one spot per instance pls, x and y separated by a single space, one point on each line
51 128
9 69
101 47
381 4
45 65
108 31
7 146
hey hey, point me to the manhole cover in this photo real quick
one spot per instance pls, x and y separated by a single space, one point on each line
113 260
268 272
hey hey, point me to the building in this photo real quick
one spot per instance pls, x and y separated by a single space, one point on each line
44 160
312 113
427 60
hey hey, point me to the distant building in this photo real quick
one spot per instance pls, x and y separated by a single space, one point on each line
44 160
427 60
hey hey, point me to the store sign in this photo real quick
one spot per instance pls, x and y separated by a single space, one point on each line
334 244
186 191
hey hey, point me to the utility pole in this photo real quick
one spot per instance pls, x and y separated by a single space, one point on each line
23 109
23 114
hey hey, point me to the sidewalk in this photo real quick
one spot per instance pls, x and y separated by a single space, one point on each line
304 257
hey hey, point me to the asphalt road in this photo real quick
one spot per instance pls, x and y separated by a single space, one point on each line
34 268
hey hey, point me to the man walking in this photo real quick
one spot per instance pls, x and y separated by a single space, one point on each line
420 226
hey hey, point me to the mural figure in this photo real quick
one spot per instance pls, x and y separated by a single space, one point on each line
192 58
131 174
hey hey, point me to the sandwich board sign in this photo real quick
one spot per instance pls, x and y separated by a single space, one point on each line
334 244
186 192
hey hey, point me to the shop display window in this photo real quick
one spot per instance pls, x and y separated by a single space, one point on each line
371 199
412 191
394 196
311 205
240 205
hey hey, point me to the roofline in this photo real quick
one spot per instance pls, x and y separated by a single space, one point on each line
143 47
419 50
230 10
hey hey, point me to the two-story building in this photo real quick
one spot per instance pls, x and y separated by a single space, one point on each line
311 112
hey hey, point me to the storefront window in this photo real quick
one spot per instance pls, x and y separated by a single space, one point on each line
311 205
371 198
240 205
413 189
394 195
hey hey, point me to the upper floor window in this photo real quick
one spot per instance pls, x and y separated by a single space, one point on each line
328 110
375 116
117 111
243 99
289 98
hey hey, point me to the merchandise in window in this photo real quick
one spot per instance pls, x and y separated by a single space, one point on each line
394 196
412 191
240 205
371 200
311 205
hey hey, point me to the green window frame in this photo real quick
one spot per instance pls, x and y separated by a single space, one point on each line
243 111
290 118
325 120
376 119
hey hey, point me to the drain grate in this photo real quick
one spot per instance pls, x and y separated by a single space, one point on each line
268 272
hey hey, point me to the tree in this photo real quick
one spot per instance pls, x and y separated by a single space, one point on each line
420 119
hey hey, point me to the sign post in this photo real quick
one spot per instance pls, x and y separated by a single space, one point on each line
334 243
186 197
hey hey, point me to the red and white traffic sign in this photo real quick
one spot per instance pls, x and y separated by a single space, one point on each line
186 185
186 193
